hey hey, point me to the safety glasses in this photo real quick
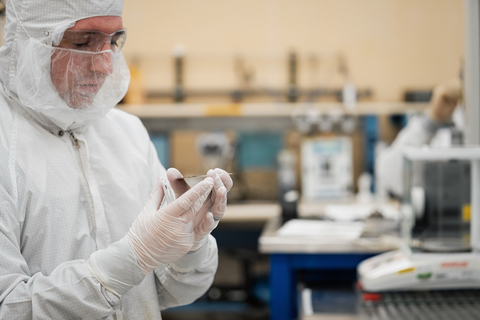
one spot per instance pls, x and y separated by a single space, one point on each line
93 41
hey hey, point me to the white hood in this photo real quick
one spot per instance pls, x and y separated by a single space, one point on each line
43 22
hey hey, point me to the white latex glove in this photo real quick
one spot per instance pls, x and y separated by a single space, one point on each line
161 236
157 237
214 206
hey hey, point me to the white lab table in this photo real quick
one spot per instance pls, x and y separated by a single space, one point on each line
288 255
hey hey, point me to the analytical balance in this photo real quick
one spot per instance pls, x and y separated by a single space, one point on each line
440 231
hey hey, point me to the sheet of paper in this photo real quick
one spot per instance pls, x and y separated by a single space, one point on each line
324 229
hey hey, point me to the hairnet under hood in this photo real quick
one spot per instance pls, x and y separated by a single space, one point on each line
44 22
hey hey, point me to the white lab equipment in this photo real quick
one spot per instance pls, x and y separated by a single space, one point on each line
440 244
214 149
327 170
349 96
287 184
305 117
325 123
348 124
364 183
287 163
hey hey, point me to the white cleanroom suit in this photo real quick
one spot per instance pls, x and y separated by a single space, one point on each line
420 131
72 183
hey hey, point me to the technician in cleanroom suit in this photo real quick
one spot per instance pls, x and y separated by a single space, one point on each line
433 127
80 237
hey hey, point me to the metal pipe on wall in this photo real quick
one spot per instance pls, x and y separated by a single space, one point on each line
472 70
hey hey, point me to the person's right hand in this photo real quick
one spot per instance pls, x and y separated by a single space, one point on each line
159 236
213 208
444 100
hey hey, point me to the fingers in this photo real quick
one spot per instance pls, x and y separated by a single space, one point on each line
156 196
190 198
223 183
218 183
209 223
220 205
178 184
225 177
198 209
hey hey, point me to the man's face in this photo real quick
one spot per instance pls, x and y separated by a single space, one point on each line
79 76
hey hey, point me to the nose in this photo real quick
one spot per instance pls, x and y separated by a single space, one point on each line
106 46
102 61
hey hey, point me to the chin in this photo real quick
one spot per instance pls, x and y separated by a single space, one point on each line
79 101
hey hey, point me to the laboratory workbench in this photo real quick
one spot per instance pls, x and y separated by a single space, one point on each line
251 212
271 243
289 255
263 211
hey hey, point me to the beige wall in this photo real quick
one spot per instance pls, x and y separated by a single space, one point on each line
389 45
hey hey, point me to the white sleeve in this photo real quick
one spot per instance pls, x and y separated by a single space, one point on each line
70 291
389 165
188 278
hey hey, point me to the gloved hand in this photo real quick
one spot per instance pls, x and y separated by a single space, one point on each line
157 237
214 206
444 100
161 236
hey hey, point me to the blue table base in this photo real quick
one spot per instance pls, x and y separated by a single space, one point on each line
283 277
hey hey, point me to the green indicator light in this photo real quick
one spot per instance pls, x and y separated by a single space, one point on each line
424 275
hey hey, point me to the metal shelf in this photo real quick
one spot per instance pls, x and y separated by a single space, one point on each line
186 111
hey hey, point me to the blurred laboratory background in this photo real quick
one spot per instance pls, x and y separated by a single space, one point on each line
297 99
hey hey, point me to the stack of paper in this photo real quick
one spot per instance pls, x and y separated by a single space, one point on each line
324 229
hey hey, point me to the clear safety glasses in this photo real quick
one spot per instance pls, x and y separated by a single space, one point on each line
93 41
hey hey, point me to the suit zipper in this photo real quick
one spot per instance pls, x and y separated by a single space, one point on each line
74 139
76 145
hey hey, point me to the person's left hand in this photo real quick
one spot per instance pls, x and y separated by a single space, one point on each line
213 208
444 100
